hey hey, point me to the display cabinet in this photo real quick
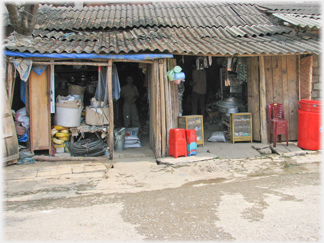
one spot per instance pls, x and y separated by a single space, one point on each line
241 127
193 122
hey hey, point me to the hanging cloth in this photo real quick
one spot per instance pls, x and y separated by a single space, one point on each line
23 66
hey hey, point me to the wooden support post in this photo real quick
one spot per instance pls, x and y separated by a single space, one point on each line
263 105
111 110
162 108
157 124
168 111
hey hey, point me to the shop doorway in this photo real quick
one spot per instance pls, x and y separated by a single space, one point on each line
226 80
88 76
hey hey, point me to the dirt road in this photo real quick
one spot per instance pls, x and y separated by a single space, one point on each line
277 200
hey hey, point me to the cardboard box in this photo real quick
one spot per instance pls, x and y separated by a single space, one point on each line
97 116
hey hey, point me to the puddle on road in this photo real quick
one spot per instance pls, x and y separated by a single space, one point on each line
204 182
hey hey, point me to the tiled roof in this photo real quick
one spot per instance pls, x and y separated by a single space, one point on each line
193 41
172 14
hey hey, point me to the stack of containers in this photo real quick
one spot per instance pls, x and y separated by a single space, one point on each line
191 139
60 136
177 142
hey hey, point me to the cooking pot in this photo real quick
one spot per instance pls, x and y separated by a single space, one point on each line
229 105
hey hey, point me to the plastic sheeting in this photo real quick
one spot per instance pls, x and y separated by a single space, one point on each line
138 57
115 84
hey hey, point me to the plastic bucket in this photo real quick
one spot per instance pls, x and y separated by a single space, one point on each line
310 105
179 76
170 75
309 130
68 117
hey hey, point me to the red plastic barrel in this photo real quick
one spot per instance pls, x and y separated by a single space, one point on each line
309 130
310 105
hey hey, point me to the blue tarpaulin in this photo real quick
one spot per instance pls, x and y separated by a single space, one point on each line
138 57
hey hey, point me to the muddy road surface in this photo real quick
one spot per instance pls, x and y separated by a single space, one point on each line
280 206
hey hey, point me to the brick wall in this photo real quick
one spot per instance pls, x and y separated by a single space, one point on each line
317 84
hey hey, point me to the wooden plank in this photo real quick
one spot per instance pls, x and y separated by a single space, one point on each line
263 105
253 95
156 97
285 90
111 110
10 149
6 115
298 76
151 106
167 105
40 134
285 85
175 104
11 80
277 79
158 112
293 96
268 78
306 74
7 135
162 107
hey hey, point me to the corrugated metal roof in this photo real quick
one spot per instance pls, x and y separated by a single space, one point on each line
195 28
306 14
301 21
306 8
178 14
193 41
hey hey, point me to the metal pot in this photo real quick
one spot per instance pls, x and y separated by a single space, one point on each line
229 105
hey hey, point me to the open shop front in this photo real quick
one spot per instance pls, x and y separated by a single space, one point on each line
238 92
214 88
232 86
58 100
89 83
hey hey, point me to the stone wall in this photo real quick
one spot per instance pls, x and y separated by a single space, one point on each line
317 84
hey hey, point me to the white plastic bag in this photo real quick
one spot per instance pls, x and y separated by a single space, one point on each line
22 118
217 137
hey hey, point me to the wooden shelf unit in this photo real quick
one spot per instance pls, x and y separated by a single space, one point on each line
193 122
241 127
